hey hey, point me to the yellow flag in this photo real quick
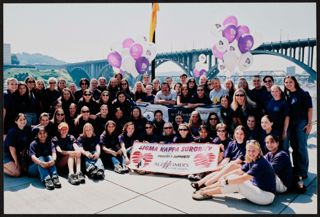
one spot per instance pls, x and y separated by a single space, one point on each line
153 24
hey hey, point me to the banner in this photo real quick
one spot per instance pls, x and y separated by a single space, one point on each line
179 159
148 110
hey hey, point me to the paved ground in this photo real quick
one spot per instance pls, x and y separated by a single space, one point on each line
140 194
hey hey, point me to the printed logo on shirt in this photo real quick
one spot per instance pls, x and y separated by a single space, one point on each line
293 100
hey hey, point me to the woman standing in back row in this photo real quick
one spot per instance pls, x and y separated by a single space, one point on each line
300 113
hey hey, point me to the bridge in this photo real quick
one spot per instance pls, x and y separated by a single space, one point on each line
300 52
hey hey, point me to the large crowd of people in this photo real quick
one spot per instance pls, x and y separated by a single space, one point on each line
81 131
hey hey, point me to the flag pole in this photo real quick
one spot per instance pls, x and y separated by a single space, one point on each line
153 63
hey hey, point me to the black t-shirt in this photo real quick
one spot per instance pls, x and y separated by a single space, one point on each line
260 96
100 123
88 144
263 174
140 95
150 138
41 149
8 104
17 138
167 139
278 110
205 140
79 126
66 144
179 139
49 98
195 99
128 141
225 142
139 127
110 141
299 102
281 164
158 127
92 105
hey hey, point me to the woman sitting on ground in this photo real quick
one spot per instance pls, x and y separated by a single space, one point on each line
255 180
234 156
43 154
68 153
112 152
15 148
89 143
280 161
126 140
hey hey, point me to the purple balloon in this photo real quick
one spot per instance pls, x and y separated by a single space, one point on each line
136 50
142 64
242 29
114 59
245 43
231 20
196 73
127 42
230 33
202 72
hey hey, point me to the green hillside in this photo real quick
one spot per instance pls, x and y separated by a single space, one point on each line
21 73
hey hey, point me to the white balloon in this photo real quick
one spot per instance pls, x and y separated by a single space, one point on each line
150 51
230 59
129 65
222 44
198 66
245 61
202 58
125 52
216 30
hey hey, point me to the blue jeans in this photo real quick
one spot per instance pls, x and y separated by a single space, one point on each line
117 160
90 163
298 142
44 172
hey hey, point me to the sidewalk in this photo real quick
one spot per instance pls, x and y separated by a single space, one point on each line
147 194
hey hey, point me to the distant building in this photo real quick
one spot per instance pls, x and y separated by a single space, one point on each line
6 54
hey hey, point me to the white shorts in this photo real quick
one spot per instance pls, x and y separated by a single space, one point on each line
280 187
249 191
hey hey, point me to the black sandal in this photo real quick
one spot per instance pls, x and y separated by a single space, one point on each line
195 185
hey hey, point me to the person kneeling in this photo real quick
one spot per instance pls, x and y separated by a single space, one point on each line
255 180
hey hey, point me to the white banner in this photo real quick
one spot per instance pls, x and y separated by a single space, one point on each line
148 110
179 159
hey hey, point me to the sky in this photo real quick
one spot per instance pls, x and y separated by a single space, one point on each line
82 32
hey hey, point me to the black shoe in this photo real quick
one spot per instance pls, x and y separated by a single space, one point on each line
300 187
48 183
81 178
125 169
100 174
73 179
93 173
56 181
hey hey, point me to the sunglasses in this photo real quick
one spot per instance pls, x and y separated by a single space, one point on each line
221 131
52 82
83 84
148 127
240 95
123 83
86 111
60 114
167 128
213 118
87 94
200 90
183 129
31 82
105 95
256 80
268 81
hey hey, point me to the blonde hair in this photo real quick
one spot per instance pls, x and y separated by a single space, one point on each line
256 144
247 100
83 130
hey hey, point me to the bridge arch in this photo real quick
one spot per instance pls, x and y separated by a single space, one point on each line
77 73
179 64
214 71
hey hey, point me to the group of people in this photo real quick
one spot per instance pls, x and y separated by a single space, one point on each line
59 128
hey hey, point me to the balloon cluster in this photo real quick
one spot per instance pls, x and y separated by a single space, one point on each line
232 45
200 66
133 57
